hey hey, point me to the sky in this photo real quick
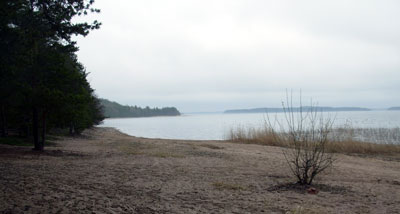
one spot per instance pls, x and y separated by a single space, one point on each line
214 55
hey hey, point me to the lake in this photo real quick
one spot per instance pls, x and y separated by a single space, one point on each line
215 126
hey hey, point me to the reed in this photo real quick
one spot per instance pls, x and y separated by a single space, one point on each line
341 140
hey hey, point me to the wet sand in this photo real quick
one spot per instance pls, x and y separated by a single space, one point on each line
106 171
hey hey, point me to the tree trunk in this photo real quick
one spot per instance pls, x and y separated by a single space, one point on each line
35 130
43 128
72 130
3 126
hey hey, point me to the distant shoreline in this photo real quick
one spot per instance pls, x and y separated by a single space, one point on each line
129 117
115 110
296 109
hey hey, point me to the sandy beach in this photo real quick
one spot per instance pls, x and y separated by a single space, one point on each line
106 171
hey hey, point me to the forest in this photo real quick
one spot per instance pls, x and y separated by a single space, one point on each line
113 109
42 83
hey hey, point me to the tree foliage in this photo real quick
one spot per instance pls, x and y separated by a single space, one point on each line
113 109
42 83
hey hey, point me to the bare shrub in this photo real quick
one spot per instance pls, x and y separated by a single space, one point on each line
306 135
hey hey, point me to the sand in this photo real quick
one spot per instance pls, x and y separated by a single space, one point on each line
106 171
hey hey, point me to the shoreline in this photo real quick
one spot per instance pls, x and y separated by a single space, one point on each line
227 140
109 171
157 138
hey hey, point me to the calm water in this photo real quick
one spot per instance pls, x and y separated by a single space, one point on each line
216 126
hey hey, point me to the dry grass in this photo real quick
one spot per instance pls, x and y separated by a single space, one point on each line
262 136
371 135
165 154
132 148
304 210
353 146
227 186
210 146
342 140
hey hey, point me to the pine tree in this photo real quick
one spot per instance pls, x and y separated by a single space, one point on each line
38 63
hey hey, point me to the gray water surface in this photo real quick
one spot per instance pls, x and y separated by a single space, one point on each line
216 126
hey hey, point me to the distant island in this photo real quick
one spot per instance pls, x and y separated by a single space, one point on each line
394 108
297 109
113 109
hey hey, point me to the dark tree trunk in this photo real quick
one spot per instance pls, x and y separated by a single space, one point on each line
71 129
35 130
43 128
3 125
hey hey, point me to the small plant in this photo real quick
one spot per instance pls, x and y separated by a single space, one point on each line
306 135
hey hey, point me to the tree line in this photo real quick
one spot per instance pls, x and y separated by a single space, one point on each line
113 109
42 83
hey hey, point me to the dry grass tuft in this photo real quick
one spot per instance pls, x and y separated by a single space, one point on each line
262 136
227 186
210 146
167 154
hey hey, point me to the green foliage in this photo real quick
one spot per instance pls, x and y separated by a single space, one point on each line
42 84
113 109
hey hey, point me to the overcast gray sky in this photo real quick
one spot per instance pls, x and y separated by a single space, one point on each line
212 55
